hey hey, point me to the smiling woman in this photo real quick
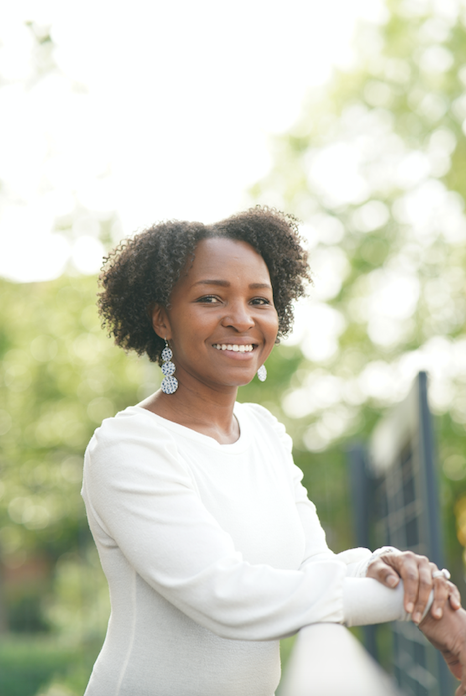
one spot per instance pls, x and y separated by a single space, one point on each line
221 323
142 271
203 287
211 548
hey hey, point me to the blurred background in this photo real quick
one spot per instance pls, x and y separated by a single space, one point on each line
114 115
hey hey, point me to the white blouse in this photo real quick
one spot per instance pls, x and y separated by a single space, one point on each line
212 554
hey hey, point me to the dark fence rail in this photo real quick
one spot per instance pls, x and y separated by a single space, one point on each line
395 501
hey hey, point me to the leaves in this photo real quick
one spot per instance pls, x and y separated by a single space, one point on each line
60 376
375 169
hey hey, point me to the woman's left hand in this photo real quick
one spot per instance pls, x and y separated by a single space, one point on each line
416 573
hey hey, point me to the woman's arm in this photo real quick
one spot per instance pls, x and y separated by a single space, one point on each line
449 636
369 602
142 504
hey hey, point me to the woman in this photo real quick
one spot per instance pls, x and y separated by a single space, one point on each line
211 548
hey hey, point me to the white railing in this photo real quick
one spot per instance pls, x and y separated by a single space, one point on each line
327 660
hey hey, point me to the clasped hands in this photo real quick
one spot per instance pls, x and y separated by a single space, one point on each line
445 623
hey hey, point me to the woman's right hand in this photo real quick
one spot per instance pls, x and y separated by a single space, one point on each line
448 635
419 576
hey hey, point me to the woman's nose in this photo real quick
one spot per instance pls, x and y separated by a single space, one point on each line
238 316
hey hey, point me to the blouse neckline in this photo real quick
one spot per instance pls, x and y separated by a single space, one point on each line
239 446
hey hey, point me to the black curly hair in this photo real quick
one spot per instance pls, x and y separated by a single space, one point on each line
141 272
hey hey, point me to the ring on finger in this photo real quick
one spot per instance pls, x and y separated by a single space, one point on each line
444 573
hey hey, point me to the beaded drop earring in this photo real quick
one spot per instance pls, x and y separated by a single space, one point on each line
262 373
169 383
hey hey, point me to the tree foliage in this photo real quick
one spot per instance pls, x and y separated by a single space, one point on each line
59 377
375 169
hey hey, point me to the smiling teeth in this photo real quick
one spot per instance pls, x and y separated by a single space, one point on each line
234 347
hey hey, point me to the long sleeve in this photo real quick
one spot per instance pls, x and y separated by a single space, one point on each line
365 601
143 500
316 545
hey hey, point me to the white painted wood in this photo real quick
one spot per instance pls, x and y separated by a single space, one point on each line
328 661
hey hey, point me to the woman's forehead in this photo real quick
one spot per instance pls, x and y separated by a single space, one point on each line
222 256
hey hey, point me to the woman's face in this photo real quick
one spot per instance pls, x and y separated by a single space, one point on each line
221 322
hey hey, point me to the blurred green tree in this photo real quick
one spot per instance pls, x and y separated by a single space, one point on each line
59 377
375 167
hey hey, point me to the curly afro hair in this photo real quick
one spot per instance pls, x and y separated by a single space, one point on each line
141 272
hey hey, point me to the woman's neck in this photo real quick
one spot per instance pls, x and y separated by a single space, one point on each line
210 414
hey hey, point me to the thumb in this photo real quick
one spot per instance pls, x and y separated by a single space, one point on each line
383 573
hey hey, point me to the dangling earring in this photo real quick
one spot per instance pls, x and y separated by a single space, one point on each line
169 383
262 373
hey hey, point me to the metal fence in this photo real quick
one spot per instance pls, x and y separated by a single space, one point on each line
395 499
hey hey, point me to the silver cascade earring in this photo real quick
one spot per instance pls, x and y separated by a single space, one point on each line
169 383
262 373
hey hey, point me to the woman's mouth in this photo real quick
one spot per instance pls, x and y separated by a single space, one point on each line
235 347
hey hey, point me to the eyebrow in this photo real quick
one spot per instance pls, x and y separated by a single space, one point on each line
226 283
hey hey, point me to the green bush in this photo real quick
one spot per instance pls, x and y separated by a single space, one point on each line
38 664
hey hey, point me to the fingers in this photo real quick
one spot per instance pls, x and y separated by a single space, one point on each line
441 594
384 573
419 585
416 573
454 596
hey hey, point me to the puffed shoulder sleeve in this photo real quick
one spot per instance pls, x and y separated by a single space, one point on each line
141 501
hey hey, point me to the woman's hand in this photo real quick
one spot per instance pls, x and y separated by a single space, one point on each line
449 636
416 573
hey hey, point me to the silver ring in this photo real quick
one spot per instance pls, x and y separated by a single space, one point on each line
444 573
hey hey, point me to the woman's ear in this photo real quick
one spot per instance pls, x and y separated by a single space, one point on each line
160 321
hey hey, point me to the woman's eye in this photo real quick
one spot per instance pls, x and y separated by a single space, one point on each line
260 301
208 299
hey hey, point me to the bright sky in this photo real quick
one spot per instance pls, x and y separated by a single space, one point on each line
158 110
166 110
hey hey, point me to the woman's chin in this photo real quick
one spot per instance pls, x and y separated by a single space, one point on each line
235 382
